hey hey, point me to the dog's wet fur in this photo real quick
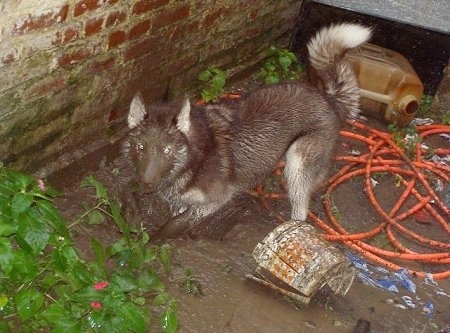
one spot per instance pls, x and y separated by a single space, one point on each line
197 158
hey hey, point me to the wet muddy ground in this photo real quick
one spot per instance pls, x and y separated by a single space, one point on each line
231 303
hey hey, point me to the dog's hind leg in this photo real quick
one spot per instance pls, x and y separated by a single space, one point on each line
307 163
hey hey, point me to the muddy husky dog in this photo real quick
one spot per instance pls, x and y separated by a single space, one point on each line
198 158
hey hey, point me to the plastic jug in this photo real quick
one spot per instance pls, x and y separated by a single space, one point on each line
390 88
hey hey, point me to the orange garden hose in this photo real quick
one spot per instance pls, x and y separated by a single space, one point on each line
384 155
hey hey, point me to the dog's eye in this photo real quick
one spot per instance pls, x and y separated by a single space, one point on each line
140 146
167 150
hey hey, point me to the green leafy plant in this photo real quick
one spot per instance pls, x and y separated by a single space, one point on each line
191 285
215 79
46 286
281 64
425 105
405 137
446 119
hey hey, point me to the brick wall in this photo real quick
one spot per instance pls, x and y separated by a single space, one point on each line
69 68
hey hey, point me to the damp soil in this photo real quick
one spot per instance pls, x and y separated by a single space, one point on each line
231 303
220 257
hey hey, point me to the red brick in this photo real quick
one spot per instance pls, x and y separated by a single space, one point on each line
93 25
83 6
65 36
140 29
181 30
115 18
214 16
48 85
143 6
74 57
116 38
100 66
169 17
41 21
146 46
252 32
8 59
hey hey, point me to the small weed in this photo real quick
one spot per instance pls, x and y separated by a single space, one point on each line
281 64
425 105
380 176
191 285
446 119
406 138
335 210
215 79
46 286
382 241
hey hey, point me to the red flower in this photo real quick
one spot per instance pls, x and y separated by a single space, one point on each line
100 285
96 305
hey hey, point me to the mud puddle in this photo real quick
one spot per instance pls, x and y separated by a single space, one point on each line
230 303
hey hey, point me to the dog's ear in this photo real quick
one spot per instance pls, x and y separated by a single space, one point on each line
183 118
137 111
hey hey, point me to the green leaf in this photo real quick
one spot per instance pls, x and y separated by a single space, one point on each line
7 229
23 267
32 234
64 258
135 318
271 79
28 302
49 280
165 256
67 325
86 295
3 301
54 312
121 245
51 215
207 96
162 299
7 255
205 75
98 321
270 67
169 321
109 322
123 282
19 181
285 62
292 56
21 202
218 82
149 255
118 219
82 274
95 217
99 252
100 189
6 213
4 327
150 281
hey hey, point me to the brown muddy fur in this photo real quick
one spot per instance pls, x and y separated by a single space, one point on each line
197 158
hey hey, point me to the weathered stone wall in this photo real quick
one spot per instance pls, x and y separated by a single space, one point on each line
69 68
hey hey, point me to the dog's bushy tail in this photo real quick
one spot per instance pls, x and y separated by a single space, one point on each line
326 55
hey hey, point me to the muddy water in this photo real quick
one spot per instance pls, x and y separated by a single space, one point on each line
231 303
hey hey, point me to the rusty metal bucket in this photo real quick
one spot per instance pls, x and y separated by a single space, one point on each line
295 261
